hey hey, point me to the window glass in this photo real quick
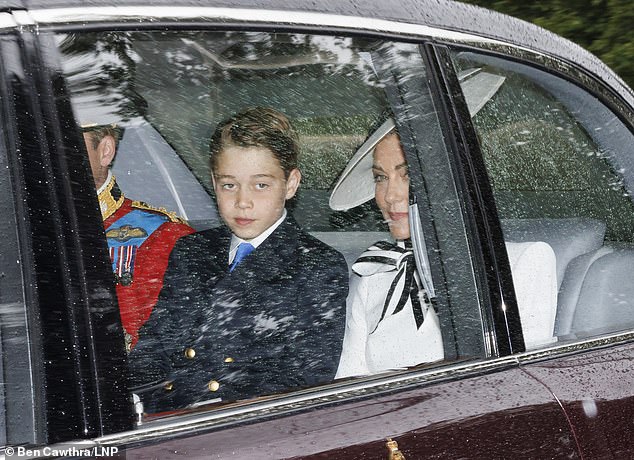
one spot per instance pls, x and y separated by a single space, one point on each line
17 403
560 167
220 322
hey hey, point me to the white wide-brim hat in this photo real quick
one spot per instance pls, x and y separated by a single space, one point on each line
355 185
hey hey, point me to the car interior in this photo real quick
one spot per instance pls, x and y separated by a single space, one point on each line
558 178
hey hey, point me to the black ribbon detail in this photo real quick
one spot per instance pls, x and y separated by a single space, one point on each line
395 257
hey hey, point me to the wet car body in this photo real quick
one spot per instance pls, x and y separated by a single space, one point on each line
492 397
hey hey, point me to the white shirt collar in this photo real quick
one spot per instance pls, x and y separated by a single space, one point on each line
105 184
255 242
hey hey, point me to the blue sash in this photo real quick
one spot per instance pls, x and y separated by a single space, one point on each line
125 236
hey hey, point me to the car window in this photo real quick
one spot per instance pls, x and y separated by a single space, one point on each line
558 162
162 95
17 404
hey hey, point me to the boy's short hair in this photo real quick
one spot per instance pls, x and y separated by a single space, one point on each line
258 127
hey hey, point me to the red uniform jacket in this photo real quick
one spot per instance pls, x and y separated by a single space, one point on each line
140 239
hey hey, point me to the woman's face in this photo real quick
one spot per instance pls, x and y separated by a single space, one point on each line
391 178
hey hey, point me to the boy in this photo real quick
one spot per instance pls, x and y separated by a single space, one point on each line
253 308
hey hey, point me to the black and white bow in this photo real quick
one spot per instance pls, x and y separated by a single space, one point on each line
383 257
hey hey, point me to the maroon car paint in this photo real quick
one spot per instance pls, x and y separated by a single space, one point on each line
594 389
475 417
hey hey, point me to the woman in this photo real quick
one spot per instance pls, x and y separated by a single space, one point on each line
390 322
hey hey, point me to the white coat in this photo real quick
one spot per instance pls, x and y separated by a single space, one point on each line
370 346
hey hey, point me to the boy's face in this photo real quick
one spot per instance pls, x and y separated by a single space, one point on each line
251 189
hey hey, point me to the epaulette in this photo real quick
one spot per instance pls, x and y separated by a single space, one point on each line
172 216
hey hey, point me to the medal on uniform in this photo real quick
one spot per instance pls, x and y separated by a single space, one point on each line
128 341
123 258
125 237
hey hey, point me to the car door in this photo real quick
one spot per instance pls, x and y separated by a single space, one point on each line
558 158
52 306
477 402
333 104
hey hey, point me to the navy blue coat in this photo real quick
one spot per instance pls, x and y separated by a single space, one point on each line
275 323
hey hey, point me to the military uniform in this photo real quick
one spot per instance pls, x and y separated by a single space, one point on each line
274 323
140 239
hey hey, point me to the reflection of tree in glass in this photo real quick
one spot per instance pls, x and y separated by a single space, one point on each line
100 71
326 85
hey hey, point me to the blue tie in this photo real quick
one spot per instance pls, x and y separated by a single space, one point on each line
244 249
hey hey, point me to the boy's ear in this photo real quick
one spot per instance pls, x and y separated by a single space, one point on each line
107 148
292 183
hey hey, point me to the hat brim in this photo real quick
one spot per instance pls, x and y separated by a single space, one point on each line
355 185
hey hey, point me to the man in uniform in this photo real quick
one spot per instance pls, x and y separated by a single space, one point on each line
140 237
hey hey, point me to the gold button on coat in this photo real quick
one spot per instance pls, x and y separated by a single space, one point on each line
213 385
228 359
169 386
190 353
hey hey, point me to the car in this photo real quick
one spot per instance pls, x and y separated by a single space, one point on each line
519 148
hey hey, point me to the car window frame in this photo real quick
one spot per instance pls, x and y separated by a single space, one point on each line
320 393
67 305
15 280
277 28
586 82
498 304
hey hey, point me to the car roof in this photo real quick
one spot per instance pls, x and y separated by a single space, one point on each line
442 14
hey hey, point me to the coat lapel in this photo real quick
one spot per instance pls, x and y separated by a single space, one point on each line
273 259
213 249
